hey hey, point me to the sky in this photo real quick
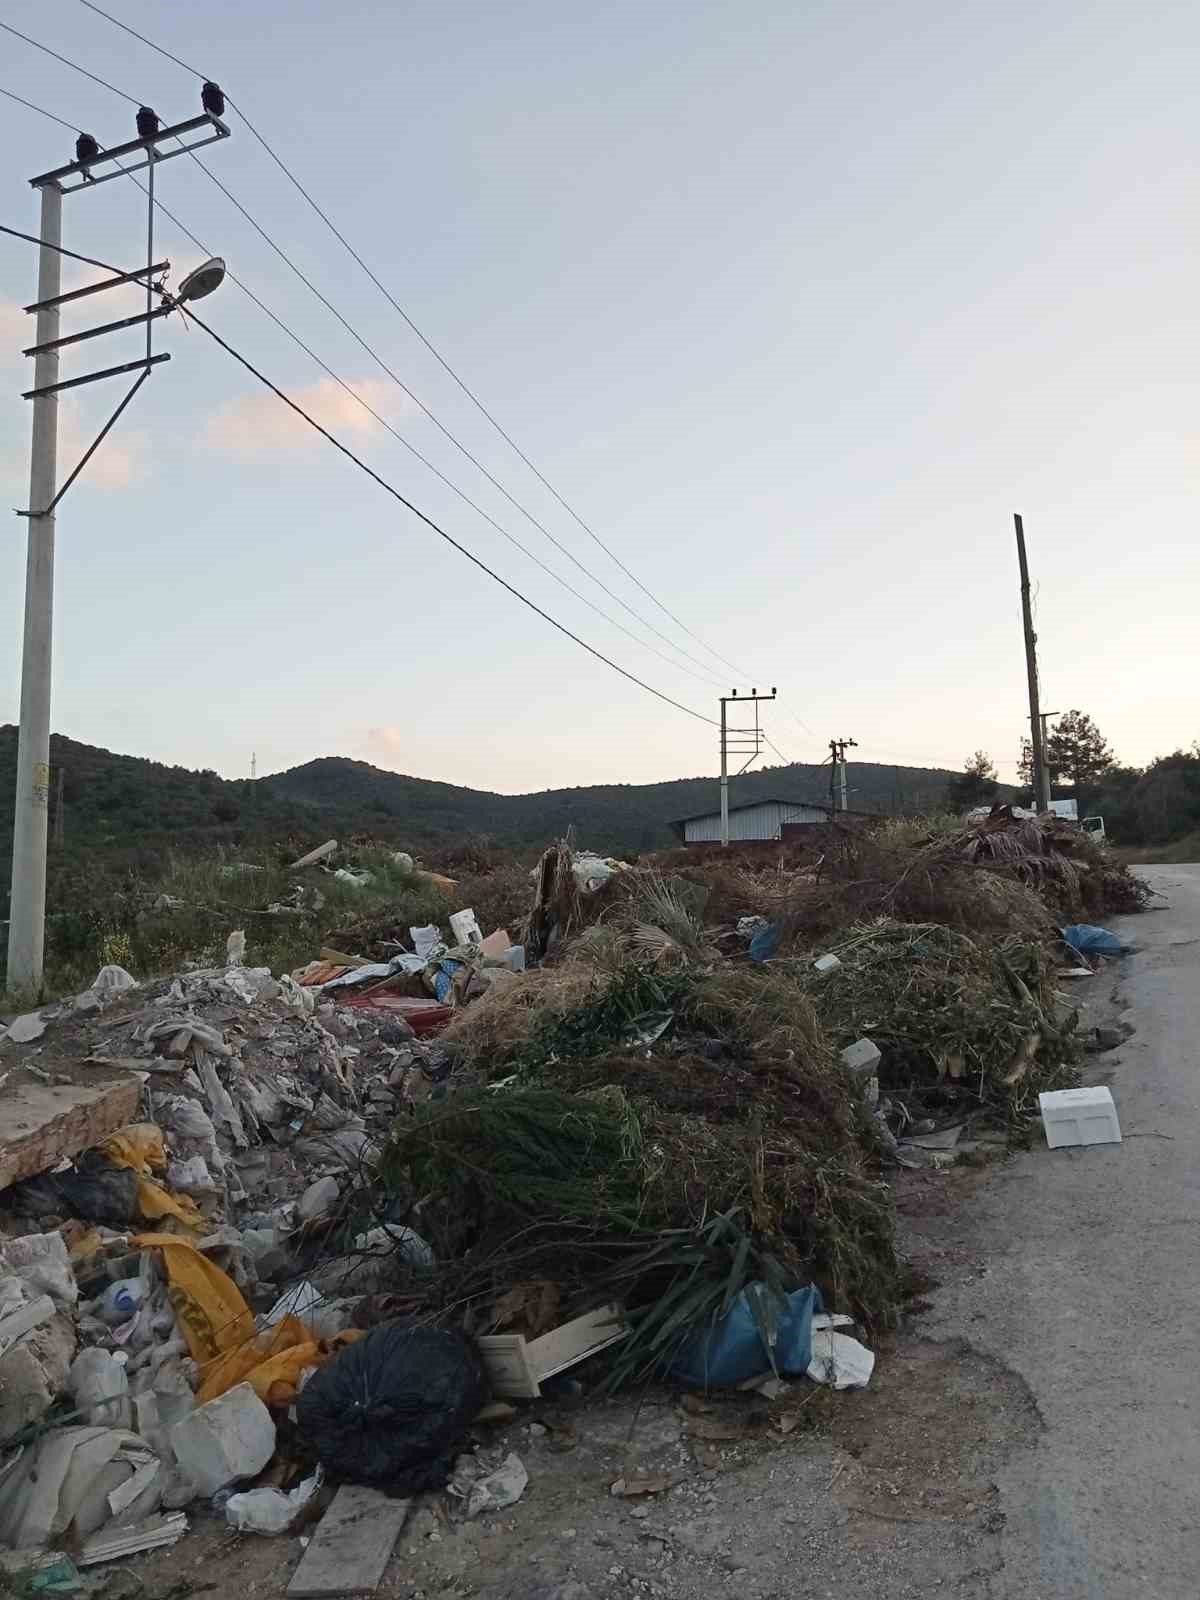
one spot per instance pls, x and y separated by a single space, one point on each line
793 304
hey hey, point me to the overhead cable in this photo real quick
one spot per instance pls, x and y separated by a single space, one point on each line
707 678
389 488
374 354
433 350
436 527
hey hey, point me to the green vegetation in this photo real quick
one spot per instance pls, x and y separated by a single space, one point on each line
976 785
136 813
153 923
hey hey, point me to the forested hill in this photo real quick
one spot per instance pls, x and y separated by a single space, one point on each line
125 803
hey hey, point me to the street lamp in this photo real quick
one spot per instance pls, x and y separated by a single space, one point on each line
201 282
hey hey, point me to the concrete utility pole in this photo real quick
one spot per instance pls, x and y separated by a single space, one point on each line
27 914
739 739
837 777
1041 777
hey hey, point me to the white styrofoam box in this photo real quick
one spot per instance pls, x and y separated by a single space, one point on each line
1079 1116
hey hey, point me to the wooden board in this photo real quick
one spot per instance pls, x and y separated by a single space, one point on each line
517 1366
350 1550
40 1123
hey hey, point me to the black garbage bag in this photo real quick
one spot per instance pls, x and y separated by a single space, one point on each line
392 1408
93 1190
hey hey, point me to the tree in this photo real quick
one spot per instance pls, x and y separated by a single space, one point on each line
976 785
1025 765
1077 752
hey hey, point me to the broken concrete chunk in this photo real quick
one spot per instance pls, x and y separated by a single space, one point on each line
862 1058
25 1029
229 1438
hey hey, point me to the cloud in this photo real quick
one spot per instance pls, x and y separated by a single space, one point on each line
120 461
257 427
388 741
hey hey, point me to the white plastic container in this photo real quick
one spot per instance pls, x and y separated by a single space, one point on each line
1079 1116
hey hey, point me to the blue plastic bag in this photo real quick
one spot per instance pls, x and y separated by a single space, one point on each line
1092 941
732 1349
765 942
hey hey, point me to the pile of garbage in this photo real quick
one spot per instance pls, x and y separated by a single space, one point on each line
305 1226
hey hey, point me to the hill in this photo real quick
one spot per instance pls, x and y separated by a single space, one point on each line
133 810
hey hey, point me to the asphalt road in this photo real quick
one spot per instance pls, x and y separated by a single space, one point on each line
1092 1296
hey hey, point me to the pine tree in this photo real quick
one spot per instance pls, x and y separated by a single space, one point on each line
1077 752
976 785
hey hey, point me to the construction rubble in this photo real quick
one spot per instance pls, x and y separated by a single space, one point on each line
271 1242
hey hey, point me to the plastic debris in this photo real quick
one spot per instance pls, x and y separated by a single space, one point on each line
837 1359
734 1347
270 1511
499 1489
1092 941
393 1407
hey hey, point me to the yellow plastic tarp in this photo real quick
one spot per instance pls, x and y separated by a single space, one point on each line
219 1329
208 1306
140 1147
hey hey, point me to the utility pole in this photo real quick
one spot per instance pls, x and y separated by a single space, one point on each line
747 740
253 765
27 915
1041 777
27 907
837 755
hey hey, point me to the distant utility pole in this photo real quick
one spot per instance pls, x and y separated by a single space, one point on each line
837 755
1041 776
747 740
91 168
253 765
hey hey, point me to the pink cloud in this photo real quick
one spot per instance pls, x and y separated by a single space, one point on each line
259 426
388 741
120 460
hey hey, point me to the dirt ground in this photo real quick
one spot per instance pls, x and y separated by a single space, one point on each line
885 1492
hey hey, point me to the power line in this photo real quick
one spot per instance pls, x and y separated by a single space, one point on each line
787 760
430 523
74 65
454 440
378 359
363 466
433 350
41 110
707 677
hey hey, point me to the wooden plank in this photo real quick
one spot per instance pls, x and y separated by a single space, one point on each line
517 1366
41 1123
504 1356
564 1346
350 1550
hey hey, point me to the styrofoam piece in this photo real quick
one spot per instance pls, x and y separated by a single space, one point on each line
465 928
824 964
1079 1116
229 1438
